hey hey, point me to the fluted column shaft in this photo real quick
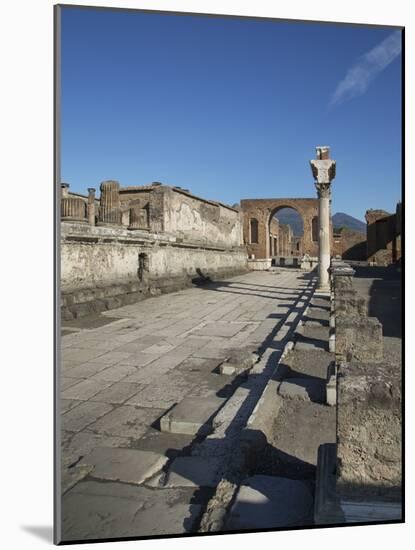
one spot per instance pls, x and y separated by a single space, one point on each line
109 211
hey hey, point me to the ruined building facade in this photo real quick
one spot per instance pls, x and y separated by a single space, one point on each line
264 237
384 236
139 241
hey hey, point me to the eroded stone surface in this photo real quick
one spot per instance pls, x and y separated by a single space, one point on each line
96 510
303 389
193 471
129 465
266 502
170 373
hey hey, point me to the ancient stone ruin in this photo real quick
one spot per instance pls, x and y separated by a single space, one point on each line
206 387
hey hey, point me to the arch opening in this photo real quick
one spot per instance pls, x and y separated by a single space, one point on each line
286 233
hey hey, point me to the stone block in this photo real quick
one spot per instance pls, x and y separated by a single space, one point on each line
326 504
359 338
191 416
331 385
369 431
227 369
268 502
348 302
128 465
305 389
238 361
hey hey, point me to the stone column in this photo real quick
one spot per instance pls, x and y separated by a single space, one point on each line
64 190
91 206
109 210
73 209
324 171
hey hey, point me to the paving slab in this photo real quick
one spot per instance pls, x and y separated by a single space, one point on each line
165 392
67 381
193 415
159 349
85 389
165 443
154 347
80 355
128 465
114 373
118 392
269 502
223 330
96 510
84 414
85 370
71 476
82 443
212 350
68 404
193 471
125 421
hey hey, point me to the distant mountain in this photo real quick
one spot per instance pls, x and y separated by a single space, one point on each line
290 217
340 219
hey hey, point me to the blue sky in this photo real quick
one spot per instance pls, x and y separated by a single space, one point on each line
230 108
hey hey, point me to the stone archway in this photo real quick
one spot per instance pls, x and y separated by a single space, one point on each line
263 210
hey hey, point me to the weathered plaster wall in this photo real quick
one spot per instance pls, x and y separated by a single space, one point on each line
105 267
197 220
93 256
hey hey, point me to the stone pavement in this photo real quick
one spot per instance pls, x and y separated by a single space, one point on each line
127 472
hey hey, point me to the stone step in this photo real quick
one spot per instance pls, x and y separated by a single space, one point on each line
305 389
193 415
312 338
322 303
317 317
128 465
314 362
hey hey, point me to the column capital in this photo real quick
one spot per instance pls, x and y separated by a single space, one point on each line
324 171
323 190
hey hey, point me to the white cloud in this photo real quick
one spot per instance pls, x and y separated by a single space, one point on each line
366 68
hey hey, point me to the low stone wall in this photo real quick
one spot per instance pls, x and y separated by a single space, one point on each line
261 264
368 465
105 267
